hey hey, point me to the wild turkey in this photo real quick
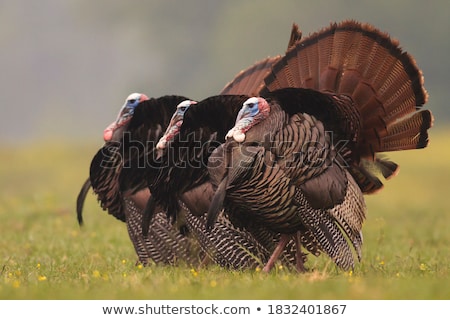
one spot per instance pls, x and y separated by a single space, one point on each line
115 175
182 187
301 156
211 123
183 174
246 81
121 191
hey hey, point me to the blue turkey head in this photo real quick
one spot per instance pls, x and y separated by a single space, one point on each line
253 111
114 131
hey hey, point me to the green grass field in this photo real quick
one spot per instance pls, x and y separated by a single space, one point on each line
46 255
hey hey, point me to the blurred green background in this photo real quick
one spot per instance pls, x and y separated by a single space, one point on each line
66 66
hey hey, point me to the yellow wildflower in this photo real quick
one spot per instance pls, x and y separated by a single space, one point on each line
42 278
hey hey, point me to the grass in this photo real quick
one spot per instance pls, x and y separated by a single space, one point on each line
45 255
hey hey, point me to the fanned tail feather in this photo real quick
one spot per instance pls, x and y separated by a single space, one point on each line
296 35
387 168
384 82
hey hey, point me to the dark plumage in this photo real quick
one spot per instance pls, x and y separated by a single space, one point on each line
286 176
183 176
293 171
300 158
183 163
119 179
117 167
116 178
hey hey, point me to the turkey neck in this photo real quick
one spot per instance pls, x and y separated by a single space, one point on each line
260 135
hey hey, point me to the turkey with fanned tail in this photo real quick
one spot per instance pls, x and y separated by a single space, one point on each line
302 153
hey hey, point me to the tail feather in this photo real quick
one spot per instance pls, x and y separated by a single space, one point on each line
410 133
357 60
292 68
387 168
283 77
384 82
80 200
309 64
296 35
325 48
294 77
367 181
365 173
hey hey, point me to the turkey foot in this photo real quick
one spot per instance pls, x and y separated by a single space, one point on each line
284 239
